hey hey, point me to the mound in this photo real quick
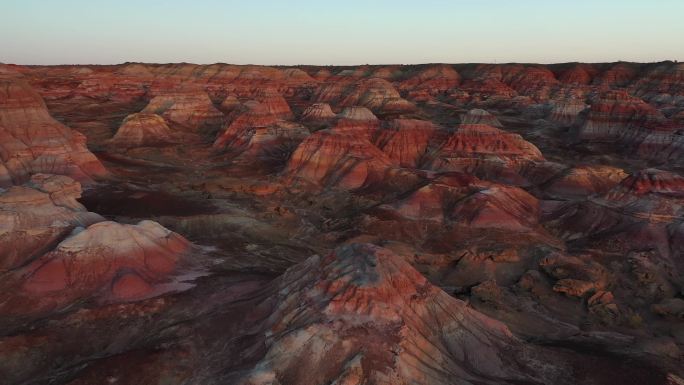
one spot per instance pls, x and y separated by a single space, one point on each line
141 129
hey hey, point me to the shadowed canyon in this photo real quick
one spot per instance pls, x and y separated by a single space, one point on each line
399 224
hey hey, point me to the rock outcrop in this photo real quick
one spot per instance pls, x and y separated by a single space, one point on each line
616 115
230 104
317 112
586 180
376 94
31 141
479 116
435 201
141 130
357 113
371 318
36 215
110 260
487 152
188 110
259 134
407 141
274 103
501 207
339 159
430 82
548 197
566 111
54 252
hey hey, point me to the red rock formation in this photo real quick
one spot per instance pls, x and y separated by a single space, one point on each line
488 153
536 82
479 116
295 74
618 75
322 74
586 180
357 113
566 111
406 141
252 114
386 72
106 260
435 200
371 318
649 181
664 146
141 130
34 216
485 84
317 112
357 121
332 158
580 74
432 81
189 110
258 134
575 277
376 94
578 255
618 115
230 104
481 141
501 207
662 85
31 141
274 103
632 214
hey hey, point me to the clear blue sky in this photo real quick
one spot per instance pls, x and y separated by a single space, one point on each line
339 32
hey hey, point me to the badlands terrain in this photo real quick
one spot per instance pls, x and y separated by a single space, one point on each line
425 224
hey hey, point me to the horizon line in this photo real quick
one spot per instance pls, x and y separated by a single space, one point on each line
673 61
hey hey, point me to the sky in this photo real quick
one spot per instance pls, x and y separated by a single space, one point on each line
346 32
